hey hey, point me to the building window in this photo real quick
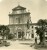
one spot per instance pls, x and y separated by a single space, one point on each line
18 12
32 26
32 35
18 20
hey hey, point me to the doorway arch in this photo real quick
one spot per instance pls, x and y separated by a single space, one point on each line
20 33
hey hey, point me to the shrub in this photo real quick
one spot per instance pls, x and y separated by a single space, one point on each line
11 36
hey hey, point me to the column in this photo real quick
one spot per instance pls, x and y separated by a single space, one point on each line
17 35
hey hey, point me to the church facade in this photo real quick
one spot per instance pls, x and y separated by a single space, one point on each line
20 23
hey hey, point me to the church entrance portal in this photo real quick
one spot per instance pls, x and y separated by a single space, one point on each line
20 35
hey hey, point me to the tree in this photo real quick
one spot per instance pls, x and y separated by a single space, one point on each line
4 31
41 29
7 30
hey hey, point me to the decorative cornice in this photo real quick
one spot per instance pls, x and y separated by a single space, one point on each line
19 14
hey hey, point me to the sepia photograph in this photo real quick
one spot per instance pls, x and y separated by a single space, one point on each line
23 24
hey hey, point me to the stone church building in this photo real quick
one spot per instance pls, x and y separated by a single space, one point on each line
18 21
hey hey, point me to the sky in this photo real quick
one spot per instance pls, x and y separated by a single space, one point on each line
37 8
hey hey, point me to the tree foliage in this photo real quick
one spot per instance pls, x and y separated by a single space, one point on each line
41 29
4 30
42 22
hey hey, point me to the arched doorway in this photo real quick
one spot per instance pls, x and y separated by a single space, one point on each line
20 34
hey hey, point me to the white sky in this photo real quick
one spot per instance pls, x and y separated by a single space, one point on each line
38 9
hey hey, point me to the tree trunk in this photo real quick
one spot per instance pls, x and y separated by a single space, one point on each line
43 38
